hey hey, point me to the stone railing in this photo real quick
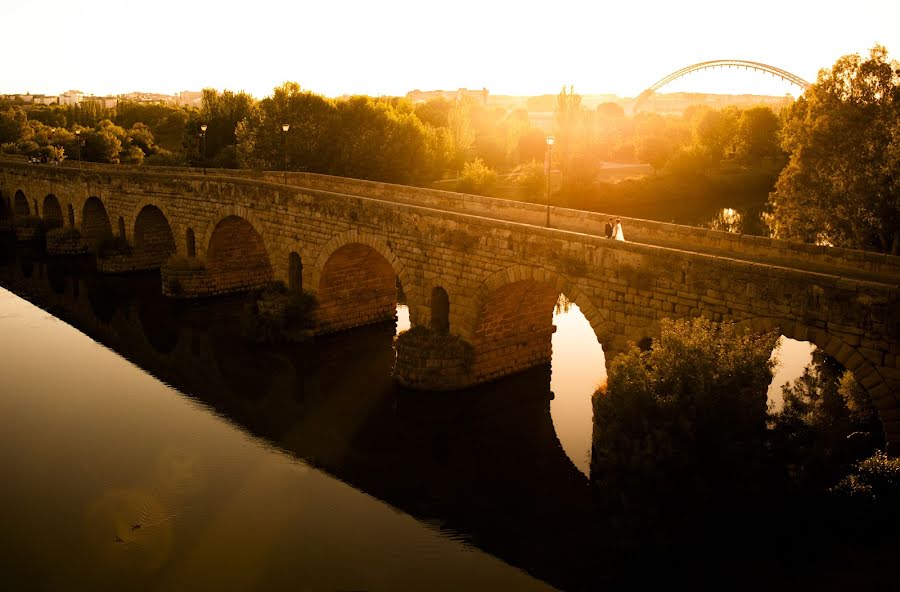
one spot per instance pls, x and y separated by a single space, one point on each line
760 249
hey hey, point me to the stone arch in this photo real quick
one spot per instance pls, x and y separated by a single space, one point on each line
867 374
295 272
236 256
510 322
131 217
440 310
53 216
95 225
355 278
225 212
154 241
20 205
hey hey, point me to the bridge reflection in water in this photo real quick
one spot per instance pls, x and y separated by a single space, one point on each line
484 465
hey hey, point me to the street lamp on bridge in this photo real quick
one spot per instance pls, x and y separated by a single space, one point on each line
78 144
203 127
550 140
284 129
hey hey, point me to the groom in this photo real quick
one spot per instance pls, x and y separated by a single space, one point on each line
609 228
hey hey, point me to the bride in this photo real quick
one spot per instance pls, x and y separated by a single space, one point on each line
617 233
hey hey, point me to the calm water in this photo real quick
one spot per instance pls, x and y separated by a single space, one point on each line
145 446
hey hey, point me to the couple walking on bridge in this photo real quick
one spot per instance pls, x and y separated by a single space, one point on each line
614 231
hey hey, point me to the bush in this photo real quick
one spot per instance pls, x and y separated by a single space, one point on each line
113 245
688 416
532 181
64 233
182 263
165 158
29 222
275 314
477 178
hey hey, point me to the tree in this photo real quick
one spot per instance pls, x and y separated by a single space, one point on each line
686 414
757 135
842 183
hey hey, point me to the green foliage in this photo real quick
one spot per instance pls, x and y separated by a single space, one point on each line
30 222
874 481
477 178
841 185
687 417
449 346
64 233
810 433
112 246
181 263
275 314
532 181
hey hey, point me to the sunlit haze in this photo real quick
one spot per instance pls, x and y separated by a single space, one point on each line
389 48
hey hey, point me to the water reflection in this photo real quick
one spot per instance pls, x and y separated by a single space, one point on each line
489 467
736 220
579 367
118 450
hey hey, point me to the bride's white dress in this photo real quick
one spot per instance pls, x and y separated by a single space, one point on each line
618 233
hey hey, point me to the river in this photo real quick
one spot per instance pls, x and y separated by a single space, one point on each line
146 446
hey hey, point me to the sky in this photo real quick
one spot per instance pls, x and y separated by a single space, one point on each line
336 47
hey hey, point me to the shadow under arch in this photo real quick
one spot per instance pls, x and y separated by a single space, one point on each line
53 215
20 204
95 224
154 239
236 255
355 280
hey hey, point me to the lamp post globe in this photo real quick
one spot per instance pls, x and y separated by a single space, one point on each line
284 130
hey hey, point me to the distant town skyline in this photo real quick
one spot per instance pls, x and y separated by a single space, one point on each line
391 48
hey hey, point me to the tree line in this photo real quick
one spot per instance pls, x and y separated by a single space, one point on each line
825 169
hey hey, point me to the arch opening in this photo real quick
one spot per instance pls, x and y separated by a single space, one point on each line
357 286
53 216
20 205
295 272
190 243
95 226
440 310
236 258
154 241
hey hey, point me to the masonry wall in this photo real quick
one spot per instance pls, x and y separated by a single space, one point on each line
624 289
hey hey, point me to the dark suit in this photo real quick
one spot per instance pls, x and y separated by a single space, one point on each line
608 230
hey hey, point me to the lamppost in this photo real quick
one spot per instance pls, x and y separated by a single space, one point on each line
78 143
550 140
284 129
203 127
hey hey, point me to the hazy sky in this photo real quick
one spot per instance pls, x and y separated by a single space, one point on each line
335 47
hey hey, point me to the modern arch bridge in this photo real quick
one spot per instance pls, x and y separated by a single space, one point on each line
480 275
714 64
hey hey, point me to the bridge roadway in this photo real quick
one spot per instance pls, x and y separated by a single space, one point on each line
480 275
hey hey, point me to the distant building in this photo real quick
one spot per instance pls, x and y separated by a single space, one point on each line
189 98
102 102
44 100
27 98
677 103
422 96
71 98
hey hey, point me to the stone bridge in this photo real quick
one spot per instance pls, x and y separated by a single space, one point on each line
480 275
